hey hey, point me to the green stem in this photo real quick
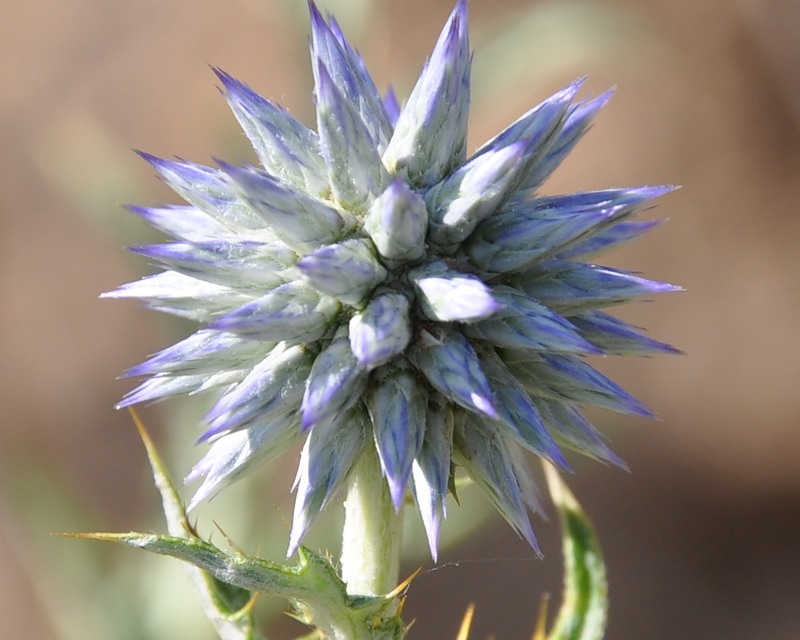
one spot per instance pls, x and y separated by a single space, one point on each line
372 530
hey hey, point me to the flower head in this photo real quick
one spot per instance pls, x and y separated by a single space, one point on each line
368 285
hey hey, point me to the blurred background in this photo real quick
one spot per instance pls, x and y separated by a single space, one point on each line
701 537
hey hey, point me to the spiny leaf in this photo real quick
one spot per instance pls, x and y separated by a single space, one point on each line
312 585
227 607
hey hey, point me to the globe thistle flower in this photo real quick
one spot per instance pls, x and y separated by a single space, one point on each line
369 285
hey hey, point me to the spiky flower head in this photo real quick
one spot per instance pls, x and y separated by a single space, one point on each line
369 285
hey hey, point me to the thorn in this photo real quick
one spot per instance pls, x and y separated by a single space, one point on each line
248 608
466 623
400 589
143 433
229 540
541 621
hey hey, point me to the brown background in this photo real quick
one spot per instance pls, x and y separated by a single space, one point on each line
701 538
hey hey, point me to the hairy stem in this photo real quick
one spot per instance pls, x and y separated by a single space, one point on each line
372 531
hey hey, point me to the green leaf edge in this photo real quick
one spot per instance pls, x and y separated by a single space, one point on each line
584 607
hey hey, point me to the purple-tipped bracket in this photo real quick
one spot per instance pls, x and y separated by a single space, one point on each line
381 331
450 364
398 405
335 383
430 137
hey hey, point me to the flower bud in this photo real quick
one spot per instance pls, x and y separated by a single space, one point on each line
448 295
293 311
348 270
397 223
381 331
397 406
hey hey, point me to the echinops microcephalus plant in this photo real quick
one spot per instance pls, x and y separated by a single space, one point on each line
375 291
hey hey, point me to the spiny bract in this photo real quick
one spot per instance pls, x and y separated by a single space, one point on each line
370 286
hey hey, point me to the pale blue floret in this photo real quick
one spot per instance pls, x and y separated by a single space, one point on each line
398 405
522 233
574 125
347 270
470 194
356 173
252 265
397 223
564 377
286 149
430 136
183 222
294 311
368 285
572 430
205 352
450 364
208 189
431 469
328 456
447 295
303 223
237 453
522 323
518 415
489 458
613 336
539 129
183 296
272 387
381 331
572 287
346 70
335 383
